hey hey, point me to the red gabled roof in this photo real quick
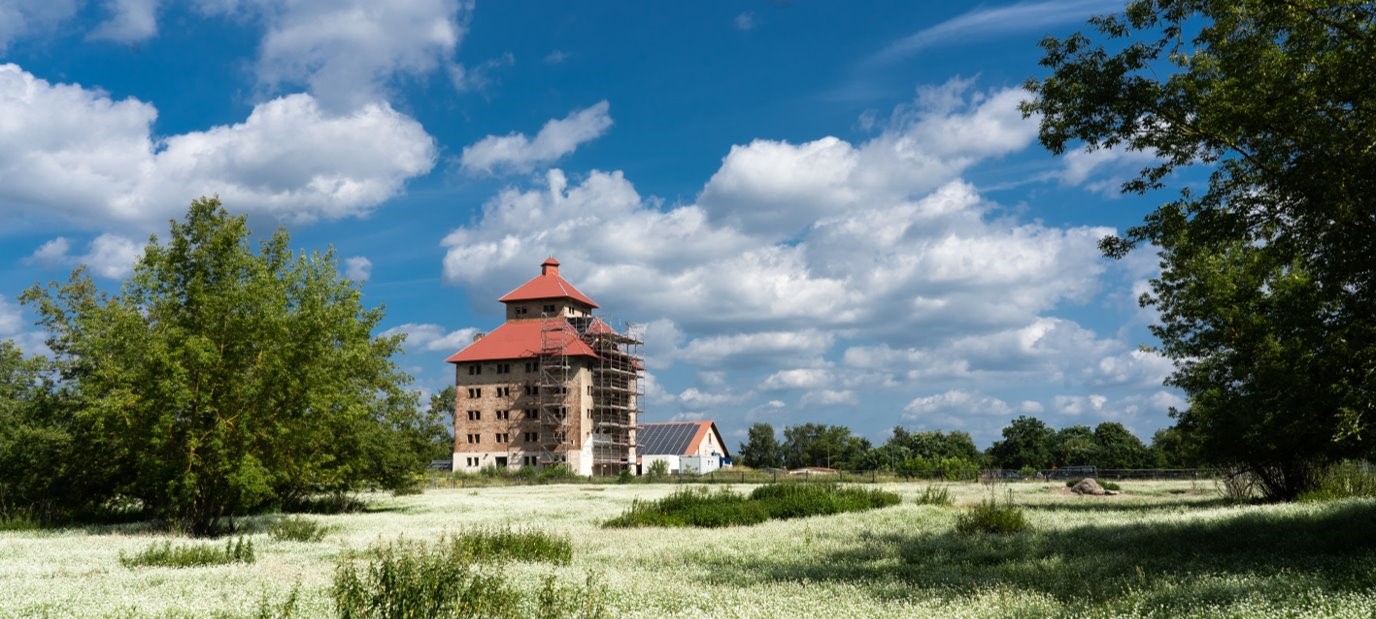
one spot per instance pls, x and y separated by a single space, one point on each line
519 339
686 443
547 285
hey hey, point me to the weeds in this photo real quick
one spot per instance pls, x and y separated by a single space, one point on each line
1347 479
1106 485
699 507
297 529
450 577
935 495
325 504
191 555
988 516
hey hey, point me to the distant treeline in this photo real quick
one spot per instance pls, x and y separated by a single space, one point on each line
1027 443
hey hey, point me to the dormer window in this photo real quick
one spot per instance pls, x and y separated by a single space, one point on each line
549 309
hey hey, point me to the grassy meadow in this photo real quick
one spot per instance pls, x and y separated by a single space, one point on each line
1166 549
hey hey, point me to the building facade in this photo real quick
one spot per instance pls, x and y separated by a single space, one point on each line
554 385
689 447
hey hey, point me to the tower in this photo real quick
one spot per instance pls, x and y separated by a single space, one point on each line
552 385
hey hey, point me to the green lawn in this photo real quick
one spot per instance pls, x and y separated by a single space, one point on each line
1166 549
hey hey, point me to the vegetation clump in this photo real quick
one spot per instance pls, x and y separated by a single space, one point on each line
297 529
445 578
935 495
699 507
989 516
1106 485
1348 479
165 554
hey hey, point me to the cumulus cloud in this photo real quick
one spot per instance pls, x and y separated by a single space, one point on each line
794 248
556 139
358 268
109 255
78 154
745 22
432 337
350 52
130 21
958 402
10 319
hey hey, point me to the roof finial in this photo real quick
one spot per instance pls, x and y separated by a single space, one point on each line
550 266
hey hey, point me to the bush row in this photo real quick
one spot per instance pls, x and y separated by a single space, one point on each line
700 507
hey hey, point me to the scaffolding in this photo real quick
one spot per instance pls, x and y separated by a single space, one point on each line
616 394
552 389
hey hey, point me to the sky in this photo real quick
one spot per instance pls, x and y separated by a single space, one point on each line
819 211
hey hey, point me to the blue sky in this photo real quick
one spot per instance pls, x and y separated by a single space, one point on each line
821 211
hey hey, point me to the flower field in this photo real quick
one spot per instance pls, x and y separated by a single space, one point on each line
1168 549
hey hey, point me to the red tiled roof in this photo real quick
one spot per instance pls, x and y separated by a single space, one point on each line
547 285
519 339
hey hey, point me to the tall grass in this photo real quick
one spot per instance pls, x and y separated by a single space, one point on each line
297 529
191 555
454 577
1347 479
699 507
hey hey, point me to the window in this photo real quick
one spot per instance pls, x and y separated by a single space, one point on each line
522 310
475 415
529 460
549 309
532 390
533 414
504 392
501 437
473 439
503 414
503 368
471 461
561 437
532 366
532 437
589 389
474 370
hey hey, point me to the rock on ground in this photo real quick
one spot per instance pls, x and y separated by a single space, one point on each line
1088 486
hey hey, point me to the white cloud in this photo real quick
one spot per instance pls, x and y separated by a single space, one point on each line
10 319
956 402
21 18
556 139
349 52
358 268
742 348
699 399
1079 404
130 21
775 188
557 56
983 23
1136 368
478 77
745 22
108 255
78 154
799 378
828 397
432 337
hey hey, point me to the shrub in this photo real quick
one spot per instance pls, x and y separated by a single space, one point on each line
698 507
411 580
991 517
588 601
483 545
1344 480
325 504
443 578
693 507
799 500
935 495
192 555
297 529
625 477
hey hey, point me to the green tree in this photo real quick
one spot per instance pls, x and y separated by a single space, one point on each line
1074 446
436 427
35 448
1026 442
220 380
1119 448
814 444
761 449
1266 291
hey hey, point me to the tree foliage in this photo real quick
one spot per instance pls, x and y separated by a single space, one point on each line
219 380
761 449
815 444
1267 286
1027 441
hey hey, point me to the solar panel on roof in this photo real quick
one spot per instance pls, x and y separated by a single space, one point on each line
666 438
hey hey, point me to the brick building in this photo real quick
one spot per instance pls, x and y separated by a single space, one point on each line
553 385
